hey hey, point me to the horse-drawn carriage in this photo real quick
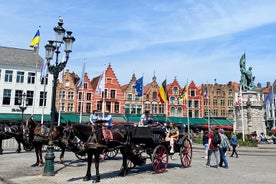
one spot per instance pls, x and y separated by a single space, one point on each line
149 142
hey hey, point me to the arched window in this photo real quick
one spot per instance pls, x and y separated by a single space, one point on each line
175 90
172 111
172 100
179 111
154 95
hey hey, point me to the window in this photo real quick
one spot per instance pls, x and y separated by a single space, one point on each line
190 113
67 83
8 75
172 100
17 96
175 90
230 92
127 110
88 107
222 113
71 95
88 96
193 94
230 102
62 107
46 81
42 98
108 106
190 103
99 105
80 96
147 105
196 113
62 94
154 108
179 111
20 77
70 107
172 111
129 96
80 108
112 93
222 102
161 109
218 92
215 102
31 78
196 104
215 112
133 109
7 97
30 97
137 98
117 107
154 95
139 109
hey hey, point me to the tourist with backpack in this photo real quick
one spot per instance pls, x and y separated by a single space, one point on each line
223 147
213 142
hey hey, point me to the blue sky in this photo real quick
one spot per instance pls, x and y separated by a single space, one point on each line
187 39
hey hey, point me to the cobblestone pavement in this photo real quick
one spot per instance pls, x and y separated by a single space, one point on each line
253 166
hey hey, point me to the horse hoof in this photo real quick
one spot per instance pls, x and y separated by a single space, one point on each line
18 151
86 178
35 165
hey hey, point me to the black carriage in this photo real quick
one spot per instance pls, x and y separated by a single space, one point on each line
150 142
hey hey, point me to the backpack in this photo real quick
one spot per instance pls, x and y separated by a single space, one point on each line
216 140
224 143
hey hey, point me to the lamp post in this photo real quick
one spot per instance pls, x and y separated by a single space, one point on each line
52 47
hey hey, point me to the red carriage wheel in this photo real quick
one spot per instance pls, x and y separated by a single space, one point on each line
186 153
160 158
112 154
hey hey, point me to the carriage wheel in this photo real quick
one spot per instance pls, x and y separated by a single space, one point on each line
102 157
112 154
186 153
160 158
28 147
81 156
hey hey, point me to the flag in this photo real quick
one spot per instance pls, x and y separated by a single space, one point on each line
184 94
269 98
36 40
81 81
139 86
43 70
60 76
163 94
206 94
100 86
240 96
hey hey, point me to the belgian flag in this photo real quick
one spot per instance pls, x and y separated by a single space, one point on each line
163 94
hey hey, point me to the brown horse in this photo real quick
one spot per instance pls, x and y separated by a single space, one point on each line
13 130
39 135
100 140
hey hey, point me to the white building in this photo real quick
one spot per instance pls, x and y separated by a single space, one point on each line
20 74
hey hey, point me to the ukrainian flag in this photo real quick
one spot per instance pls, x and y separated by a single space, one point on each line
36 39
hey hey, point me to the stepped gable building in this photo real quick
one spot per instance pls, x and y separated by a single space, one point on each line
66 88
133 103
151 99
113 97
222 99
175 106
195 101
20 74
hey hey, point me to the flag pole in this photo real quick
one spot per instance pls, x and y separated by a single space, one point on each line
103 105
82 96
241 108
43 107
142 94
273 107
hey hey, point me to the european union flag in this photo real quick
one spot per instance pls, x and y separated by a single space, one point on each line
139 86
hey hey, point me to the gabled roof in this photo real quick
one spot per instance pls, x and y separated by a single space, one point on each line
14 58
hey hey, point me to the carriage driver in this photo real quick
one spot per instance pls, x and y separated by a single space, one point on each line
145 119
94 117
172 135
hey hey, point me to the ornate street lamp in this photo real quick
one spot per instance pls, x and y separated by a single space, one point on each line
52 47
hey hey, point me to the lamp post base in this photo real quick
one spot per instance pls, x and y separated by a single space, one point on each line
49 162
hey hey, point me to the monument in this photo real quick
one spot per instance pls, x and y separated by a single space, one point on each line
249 112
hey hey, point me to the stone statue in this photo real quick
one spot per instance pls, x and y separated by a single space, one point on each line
247 79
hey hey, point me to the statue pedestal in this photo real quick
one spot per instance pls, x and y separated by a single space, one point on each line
249 116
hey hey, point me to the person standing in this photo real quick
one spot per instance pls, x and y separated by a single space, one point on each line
107 117
94 117
145 119
205 143
212 148
223 147
234 144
